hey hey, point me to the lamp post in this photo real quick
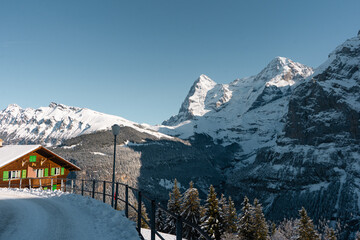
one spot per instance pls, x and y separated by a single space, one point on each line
115 130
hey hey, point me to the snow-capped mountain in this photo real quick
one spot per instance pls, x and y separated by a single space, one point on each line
314 160
57 122
249 111
298 132
205 96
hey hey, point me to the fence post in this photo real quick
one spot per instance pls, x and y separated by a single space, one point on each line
20 183
40 183
139 213
62 185
72 186
178 228
116 195
127 201
30 183
104 192
52 184
93 189
9 183
152 219
82 187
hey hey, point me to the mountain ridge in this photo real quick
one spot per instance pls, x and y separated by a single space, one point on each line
53 124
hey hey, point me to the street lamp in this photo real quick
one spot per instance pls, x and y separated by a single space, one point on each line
115 130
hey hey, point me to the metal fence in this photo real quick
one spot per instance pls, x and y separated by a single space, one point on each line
132 200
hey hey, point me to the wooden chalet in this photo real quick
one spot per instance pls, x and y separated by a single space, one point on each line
32 166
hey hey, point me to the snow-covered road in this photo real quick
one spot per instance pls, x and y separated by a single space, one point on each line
55 215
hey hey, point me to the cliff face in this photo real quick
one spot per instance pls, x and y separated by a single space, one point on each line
315 162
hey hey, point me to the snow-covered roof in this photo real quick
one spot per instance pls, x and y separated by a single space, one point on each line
10 153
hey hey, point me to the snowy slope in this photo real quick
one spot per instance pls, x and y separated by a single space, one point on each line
33 214
57 122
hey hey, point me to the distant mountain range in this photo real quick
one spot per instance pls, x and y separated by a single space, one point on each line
289 136
53 124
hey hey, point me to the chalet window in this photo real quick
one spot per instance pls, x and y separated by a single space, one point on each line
32 159
5 175
39 172
55 171
14 174
23 174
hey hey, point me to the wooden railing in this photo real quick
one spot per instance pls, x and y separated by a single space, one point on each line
101 190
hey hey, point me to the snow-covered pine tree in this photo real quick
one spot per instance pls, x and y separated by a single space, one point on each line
224 209
287 229
357 235
212 222
174 205
160 220
246 221
260 225
306 227
327 232
330 234
190 211
231 217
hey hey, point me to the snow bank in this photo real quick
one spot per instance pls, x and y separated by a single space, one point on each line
76 217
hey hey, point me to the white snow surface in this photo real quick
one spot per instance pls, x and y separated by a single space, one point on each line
146 233
35 214
59 122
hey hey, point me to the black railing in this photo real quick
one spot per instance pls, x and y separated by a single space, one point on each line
101 190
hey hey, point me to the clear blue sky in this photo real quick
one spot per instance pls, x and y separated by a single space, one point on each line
138 58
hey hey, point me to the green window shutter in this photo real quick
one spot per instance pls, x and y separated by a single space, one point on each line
62 171
46 172
54 187
32 159
23 175
52 171
5 175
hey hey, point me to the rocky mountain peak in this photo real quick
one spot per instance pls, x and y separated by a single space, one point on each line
12 107
194 103
282 72
203 79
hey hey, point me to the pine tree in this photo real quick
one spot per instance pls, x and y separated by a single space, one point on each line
229 215
246 221
223 210
190 211
330 234
287 229
174 206
160 220
357 235
306 227
144 216
326 232
260 226
212 223
232 218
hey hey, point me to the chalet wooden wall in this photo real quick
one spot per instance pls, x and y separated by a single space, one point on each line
25 164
